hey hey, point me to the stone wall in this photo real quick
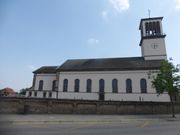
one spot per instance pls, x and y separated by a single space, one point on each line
44 106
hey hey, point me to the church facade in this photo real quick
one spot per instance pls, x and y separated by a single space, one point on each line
109 79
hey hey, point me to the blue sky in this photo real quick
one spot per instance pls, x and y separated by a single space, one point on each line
35 33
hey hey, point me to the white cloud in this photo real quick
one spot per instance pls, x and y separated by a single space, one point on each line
177 4
120 5
116 6
31 67
104 14
93 41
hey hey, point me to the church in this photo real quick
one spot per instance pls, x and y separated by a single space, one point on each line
107 79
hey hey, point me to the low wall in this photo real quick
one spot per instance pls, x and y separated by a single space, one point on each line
43 106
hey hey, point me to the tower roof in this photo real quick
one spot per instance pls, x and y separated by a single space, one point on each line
148 19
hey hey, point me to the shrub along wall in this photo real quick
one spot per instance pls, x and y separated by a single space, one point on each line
56 106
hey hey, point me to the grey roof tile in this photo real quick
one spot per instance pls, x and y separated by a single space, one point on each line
109 64
46 70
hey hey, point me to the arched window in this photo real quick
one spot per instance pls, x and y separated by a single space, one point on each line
128 86
40 85
150 28
158 28
154 28
147 28
114 85
44 94
101 85
76 85
30 94
50 94
88 86
35 93
143 85
65 85
54 85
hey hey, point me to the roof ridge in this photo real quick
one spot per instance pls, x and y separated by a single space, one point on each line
106 58
49 66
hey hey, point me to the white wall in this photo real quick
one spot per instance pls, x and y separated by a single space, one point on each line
76 95
40 94
137 97
151 53
47 79
47 85
108 76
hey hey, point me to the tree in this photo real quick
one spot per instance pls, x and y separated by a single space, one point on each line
168 80
23 91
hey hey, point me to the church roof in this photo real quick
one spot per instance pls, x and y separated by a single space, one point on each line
109 64
46 70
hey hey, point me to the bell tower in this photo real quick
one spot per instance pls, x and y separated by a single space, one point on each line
152 39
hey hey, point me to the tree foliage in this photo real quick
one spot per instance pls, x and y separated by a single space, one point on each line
23 91
168 80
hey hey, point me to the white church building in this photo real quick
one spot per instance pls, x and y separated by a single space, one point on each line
109 79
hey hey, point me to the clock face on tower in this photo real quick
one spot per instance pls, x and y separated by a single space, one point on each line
154 45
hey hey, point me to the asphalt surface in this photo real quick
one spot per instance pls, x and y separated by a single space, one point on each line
55 119
89 125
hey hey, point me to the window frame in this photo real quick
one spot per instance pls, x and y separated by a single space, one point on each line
115 86
50 95
41 85
128 85
65 85
35 94
76 85
44 94
54 85
143 85
101 85
89 85
30 93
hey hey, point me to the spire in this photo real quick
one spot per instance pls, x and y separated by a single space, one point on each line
149 13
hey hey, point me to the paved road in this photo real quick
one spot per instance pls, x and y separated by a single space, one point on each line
59 118
145 127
